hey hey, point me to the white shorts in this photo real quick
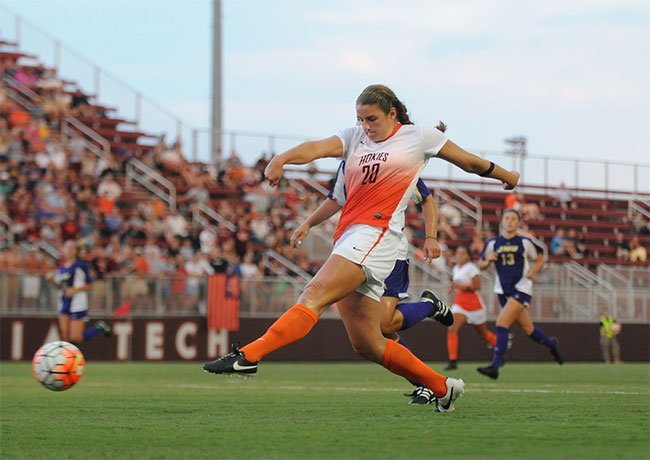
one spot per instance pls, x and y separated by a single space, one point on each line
473 316
375 249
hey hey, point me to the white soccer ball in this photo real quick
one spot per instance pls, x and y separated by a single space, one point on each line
58 365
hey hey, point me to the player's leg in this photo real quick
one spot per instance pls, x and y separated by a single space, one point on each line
360 315
485 334
510 311
429 306
399 317
335 279
539 336
77 330
452 340
421 395
64 327
604 346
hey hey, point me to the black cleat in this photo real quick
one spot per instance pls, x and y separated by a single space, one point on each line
489 371
421 396
232 363
452 365
556 352
443 313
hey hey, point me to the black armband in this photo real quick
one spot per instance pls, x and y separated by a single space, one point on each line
487 171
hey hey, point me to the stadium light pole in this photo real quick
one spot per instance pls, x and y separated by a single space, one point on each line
215 132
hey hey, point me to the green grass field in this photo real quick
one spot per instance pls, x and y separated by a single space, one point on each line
338 410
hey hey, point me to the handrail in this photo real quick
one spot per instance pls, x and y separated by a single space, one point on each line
476 215
106 146
9 80
18 99
214 215
595 284
316 186
134 164
287 263
610 272
632 206
50 250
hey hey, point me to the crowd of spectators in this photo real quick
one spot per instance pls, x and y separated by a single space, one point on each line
54 189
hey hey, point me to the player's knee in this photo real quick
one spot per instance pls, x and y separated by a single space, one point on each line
366 349
312 296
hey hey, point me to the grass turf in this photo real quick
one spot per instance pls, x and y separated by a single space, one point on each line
334 410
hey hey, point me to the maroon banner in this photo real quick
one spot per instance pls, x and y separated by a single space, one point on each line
188 339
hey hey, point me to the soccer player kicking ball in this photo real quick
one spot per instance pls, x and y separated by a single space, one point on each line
385 155
514 284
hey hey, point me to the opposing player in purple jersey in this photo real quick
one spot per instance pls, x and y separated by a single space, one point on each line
510 254
75 281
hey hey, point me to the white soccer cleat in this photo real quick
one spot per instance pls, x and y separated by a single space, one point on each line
455 389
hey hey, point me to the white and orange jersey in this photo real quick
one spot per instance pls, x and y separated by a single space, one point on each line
463 274
381 176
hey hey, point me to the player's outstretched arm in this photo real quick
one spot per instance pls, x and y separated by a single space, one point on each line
430 211
327 209
473 164
302 154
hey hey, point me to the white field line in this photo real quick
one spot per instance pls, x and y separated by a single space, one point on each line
473 388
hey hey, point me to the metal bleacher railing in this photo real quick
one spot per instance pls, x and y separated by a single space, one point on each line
563 293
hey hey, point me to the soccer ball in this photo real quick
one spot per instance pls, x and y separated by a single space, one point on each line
58 365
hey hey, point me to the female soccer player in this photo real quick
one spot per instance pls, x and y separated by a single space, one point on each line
73 277
394 317
385 155
510 254
468 306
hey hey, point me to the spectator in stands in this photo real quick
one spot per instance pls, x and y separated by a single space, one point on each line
249 269
207 239
562 246
451 214
638 253
27 76
622 247
477 243
108 193
564 197
579 242
175 225
102 267
217 260
641 225
517 202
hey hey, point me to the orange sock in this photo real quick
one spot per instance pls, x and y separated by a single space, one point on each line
491 338
452 345
293 325
399 360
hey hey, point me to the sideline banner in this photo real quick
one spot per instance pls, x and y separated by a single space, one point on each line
188 339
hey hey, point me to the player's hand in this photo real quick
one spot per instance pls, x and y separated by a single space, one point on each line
299 235
493 257
512 181
431 249
70 291
273 172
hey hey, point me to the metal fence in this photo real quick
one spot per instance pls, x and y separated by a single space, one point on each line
555 299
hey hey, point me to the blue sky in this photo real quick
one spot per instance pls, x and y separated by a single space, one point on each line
574 77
